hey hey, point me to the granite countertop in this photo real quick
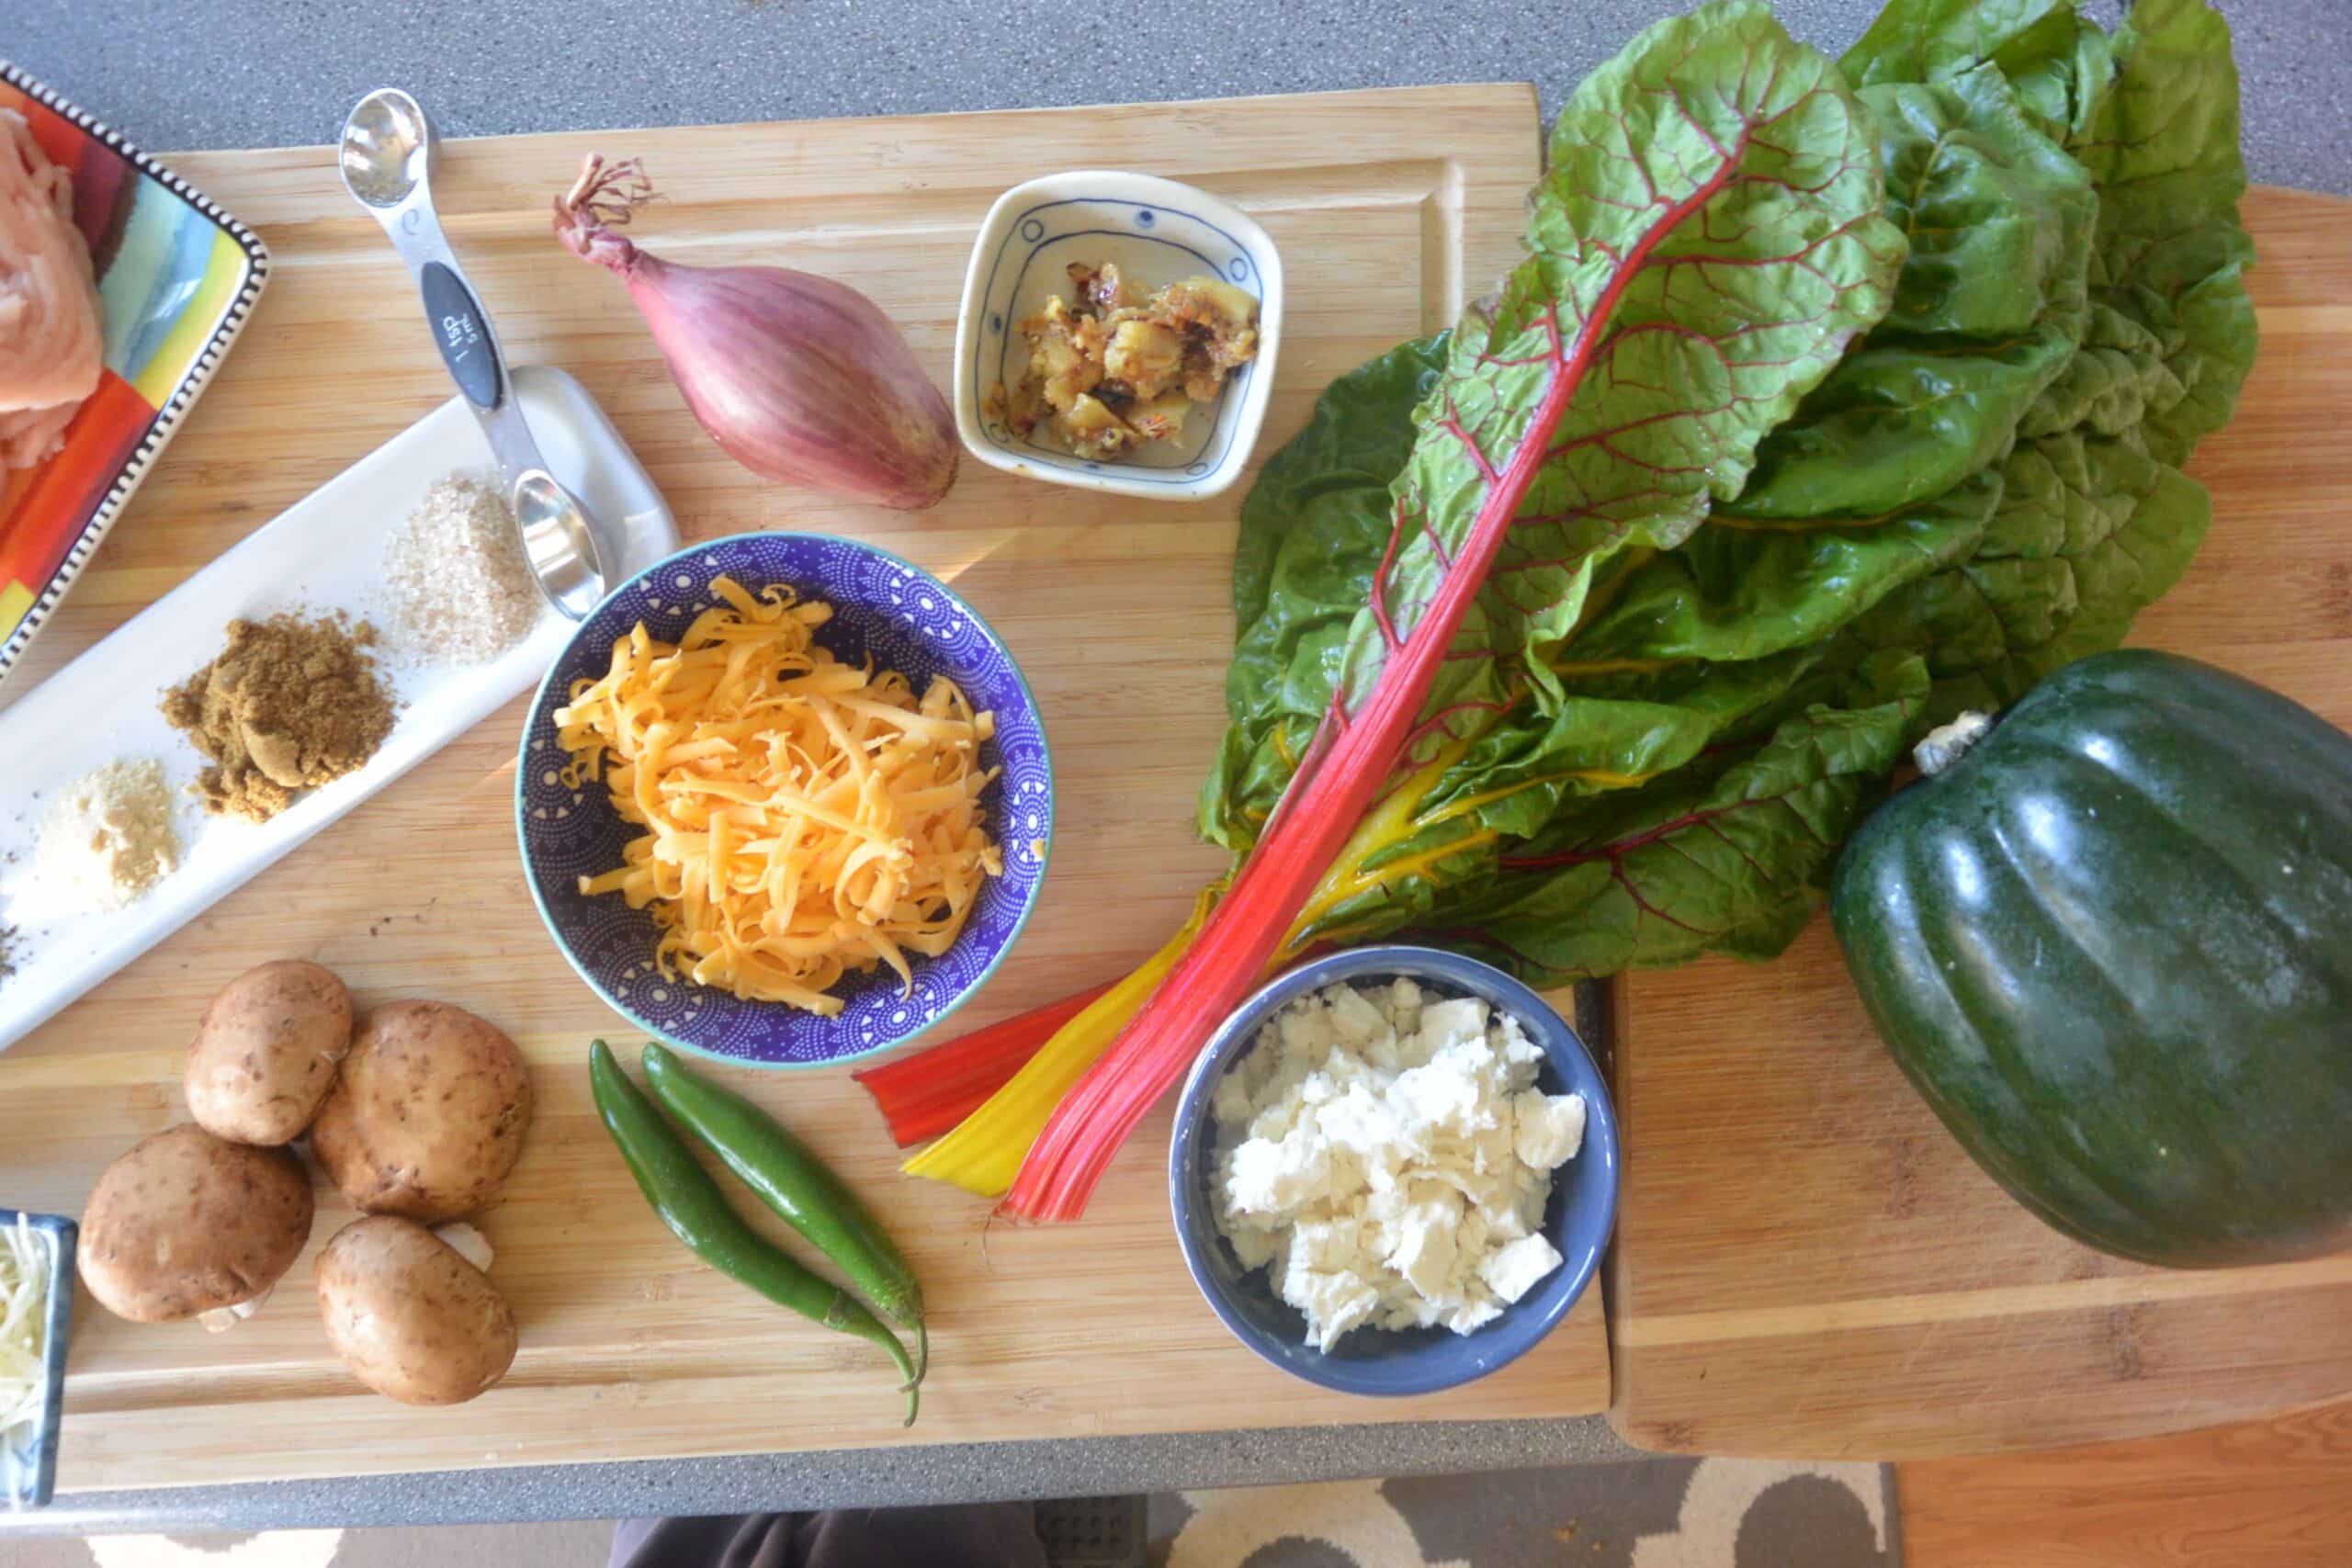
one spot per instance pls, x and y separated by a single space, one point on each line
204 74
214 73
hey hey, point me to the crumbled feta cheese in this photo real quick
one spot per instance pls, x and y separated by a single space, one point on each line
1355 1019
1455 1018
1386 1158
1255 1246
1511 1270
1471 1315
1547 1129
1425 1249
1269 1178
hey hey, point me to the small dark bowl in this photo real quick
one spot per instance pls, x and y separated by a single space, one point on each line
28 1454
1415 1360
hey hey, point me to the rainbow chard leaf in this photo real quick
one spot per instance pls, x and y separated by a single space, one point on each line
1707 243
2089 522
2095 520
1725 856
1990 311
1985 482
2171 255
1313 530
2089 532
2057 61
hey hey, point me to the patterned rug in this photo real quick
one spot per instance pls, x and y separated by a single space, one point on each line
1654 1514
1665 1512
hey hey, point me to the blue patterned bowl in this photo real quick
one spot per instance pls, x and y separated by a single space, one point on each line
906 620
1578 1219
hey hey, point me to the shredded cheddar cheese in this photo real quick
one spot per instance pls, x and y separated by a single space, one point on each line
804 817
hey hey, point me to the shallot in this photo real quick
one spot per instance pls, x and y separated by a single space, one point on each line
797 376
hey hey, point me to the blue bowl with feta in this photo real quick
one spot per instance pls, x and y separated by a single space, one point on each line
1393 1170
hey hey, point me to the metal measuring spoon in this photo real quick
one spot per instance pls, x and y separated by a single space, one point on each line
387 158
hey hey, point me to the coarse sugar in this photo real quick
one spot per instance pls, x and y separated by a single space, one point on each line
459 589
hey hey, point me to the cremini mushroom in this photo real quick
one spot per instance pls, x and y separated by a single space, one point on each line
188 1224
410 1314
265 1054
427 1115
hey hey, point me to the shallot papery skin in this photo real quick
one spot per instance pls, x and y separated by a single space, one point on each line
52 345
797 378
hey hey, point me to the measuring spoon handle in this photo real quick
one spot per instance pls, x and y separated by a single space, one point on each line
461 330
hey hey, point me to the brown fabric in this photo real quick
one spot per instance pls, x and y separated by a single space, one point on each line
991 1535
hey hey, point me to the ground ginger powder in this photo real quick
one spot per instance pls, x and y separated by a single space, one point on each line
291 703
107 837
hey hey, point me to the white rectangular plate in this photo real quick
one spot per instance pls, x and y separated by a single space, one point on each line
325 553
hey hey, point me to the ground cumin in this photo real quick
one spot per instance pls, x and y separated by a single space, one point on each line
291 702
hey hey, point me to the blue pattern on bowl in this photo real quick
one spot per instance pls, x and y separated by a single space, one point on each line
906 620
1196 245
28 1454
1579 1218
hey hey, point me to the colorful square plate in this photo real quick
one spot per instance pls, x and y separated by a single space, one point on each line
177 276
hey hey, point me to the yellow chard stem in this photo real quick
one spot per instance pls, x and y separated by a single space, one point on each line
1397 818
984 1152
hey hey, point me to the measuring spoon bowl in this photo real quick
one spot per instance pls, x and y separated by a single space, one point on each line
387 149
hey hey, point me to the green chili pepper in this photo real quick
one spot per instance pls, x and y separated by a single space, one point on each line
690 1204
785 1176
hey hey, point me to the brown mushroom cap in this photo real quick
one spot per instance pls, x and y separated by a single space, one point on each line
187 1222
428 1114
265 1054
412 1319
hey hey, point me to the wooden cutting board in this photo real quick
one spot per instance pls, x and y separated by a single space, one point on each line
1389 209
1806 1264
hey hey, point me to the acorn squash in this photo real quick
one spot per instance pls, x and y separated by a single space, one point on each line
2111 943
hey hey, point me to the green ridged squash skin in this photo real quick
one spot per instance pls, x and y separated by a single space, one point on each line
2113 947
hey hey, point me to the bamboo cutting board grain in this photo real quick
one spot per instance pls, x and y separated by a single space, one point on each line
1390 208
1806 1264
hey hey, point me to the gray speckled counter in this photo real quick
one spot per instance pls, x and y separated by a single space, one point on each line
277 73
281 73
864 1477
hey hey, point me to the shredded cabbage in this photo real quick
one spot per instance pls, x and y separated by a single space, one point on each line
24 1323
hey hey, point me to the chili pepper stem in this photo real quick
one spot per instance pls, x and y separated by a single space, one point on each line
922 1358
871 1328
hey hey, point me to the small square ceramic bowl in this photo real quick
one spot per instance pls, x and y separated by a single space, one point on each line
1158 231
29 1449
